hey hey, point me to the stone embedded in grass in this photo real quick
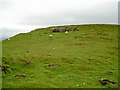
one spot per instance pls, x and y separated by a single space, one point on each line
22 75
105 81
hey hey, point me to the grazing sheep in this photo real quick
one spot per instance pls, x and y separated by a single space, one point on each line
52 29
50 36
66 32
9 39
55 30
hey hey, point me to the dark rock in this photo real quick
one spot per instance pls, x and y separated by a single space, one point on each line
64 29
105 81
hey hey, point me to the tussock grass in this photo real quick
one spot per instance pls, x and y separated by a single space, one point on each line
82 58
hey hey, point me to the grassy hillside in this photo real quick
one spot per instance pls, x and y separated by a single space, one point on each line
77 60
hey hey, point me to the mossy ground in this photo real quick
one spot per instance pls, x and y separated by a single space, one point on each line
82 57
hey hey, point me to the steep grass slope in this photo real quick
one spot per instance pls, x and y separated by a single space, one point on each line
77 60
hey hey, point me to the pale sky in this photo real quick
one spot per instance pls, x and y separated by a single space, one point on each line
25 15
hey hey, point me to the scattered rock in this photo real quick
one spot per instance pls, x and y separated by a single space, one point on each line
64 29
22 75
105 81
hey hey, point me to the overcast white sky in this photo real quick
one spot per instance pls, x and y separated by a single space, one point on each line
25 15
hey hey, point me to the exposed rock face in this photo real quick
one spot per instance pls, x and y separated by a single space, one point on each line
64 29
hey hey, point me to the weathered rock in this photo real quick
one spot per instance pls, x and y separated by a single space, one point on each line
64 29
105 81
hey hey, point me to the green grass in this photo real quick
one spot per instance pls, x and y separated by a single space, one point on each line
70 55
